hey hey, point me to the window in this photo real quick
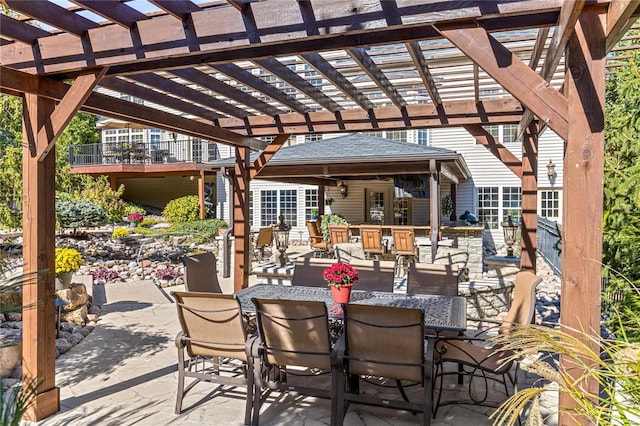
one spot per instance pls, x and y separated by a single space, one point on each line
550 204
511 202
488 207
397 135
154 137
274 203
250 208
289 206
269 207
495 203
509 132
310 202
423 137
375 207
313 137
504 133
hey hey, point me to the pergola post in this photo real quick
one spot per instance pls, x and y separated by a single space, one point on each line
38 297
582 195
434 194
241 179
201 194
529 221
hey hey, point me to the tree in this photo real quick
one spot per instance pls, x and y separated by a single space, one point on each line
621 221
81 130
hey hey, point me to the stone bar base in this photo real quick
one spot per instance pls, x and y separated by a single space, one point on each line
487 298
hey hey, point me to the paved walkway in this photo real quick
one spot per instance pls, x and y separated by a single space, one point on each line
125 373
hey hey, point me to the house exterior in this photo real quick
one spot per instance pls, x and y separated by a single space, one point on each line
490 192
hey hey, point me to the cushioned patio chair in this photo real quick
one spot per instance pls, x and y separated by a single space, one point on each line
263 243
481 360
374 275
200 273
425 278
292 333
212 345
319 246
382 342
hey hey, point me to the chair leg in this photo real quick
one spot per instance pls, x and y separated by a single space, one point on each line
180 393
248 409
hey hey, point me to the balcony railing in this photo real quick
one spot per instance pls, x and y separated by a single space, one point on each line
179 151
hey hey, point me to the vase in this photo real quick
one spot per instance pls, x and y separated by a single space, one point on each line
342 294
65 279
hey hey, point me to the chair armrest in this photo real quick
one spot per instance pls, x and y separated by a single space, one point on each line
253 346
180 340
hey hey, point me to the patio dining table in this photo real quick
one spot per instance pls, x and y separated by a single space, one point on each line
440 312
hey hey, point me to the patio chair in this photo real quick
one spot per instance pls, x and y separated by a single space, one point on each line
200 273
374 275
381 343
263 243
404 247
371 237
292 333
212 345
480 360
339 234
319 246
425 278
308 271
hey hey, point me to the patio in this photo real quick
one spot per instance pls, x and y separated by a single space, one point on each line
125 373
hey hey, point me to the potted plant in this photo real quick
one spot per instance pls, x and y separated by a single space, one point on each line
340 278
134 219
68 260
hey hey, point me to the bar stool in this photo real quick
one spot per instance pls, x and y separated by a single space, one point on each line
404 247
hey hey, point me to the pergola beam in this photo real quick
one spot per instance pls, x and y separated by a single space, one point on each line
340 26
566 22
98 103
512 74
496 148
79 91
619 20
266 155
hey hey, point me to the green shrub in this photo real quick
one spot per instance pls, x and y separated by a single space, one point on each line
330 219
207 228
133 208
120 233
80 213
183 209
10 219
99 192
148 221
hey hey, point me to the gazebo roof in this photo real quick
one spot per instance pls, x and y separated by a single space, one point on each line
357 156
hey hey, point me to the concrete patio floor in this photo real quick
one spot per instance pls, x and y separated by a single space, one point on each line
125 373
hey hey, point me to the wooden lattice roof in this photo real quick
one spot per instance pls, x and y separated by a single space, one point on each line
279 66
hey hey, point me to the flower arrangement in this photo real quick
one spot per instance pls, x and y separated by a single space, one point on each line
67 260
340 274
135 217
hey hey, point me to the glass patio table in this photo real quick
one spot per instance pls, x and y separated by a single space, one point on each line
440 312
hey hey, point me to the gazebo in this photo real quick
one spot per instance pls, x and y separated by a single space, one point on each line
235 70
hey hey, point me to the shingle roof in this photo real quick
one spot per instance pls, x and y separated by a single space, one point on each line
354 147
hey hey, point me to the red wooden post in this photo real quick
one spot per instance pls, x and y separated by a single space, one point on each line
582 195
529 222
241 179
38 297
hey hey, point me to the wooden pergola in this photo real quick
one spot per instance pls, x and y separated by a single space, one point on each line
231 71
